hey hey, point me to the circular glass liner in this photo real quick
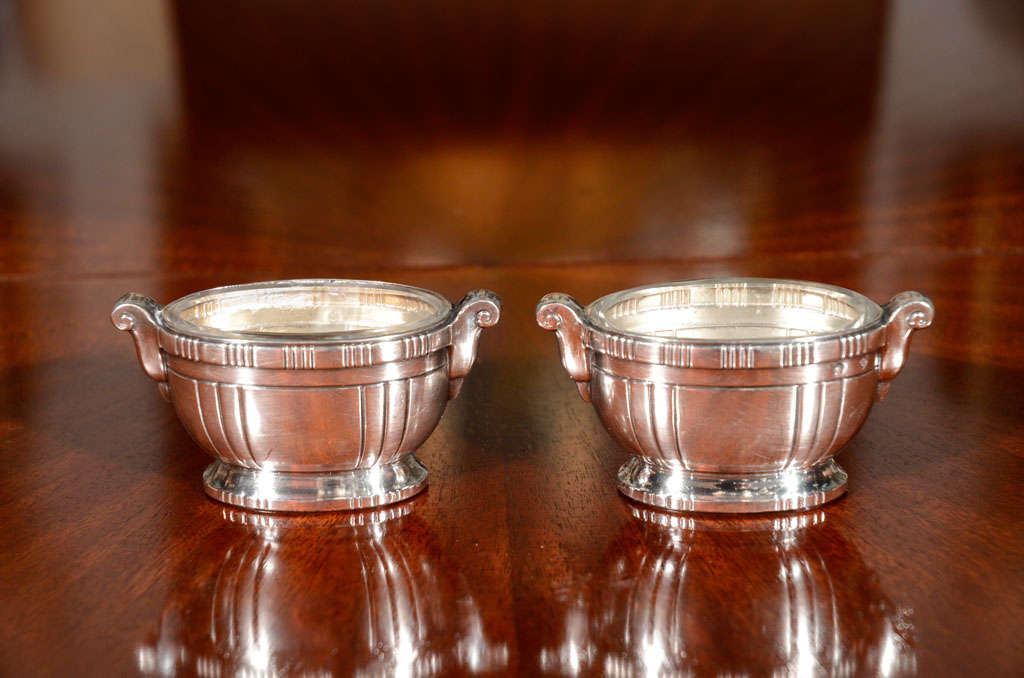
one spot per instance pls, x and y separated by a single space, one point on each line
314 309
734 309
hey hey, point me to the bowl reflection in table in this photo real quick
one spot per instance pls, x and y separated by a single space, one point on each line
679 595
365 593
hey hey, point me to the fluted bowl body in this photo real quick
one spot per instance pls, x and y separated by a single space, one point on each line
309 376
733 378
282 393
341 422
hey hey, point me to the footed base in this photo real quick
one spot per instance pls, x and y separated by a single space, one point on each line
679 490
327 491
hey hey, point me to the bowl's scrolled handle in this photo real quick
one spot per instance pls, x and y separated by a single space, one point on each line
906 312
477 310
139 315
563 315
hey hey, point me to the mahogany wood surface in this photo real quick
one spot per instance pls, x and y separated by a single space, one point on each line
524 147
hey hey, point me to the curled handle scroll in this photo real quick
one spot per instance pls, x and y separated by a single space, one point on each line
563 315
140 315
905 313
477 310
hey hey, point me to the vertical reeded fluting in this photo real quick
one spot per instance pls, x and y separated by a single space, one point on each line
358 426
675 424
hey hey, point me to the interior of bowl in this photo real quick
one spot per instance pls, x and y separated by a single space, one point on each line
321 309
742 309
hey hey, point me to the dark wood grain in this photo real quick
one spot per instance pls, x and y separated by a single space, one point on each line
526 148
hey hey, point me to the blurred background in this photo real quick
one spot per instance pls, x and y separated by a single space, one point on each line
529 146
192 136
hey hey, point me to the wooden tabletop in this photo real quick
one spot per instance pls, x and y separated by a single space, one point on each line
524 147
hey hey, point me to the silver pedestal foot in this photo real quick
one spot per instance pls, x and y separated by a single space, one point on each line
678 490
282 491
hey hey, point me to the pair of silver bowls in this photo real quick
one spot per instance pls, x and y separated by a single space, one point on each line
732 395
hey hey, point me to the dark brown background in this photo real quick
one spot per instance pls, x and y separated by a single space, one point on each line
526 147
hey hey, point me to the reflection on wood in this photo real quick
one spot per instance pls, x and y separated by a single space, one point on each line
679 595
269 605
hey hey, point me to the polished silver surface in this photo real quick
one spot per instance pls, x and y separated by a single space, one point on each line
282 491
311 394
670 487
733 394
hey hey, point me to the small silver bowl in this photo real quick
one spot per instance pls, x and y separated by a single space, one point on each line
311 394
733 394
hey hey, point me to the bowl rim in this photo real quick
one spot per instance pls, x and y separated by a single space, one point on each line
172 321
593 314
